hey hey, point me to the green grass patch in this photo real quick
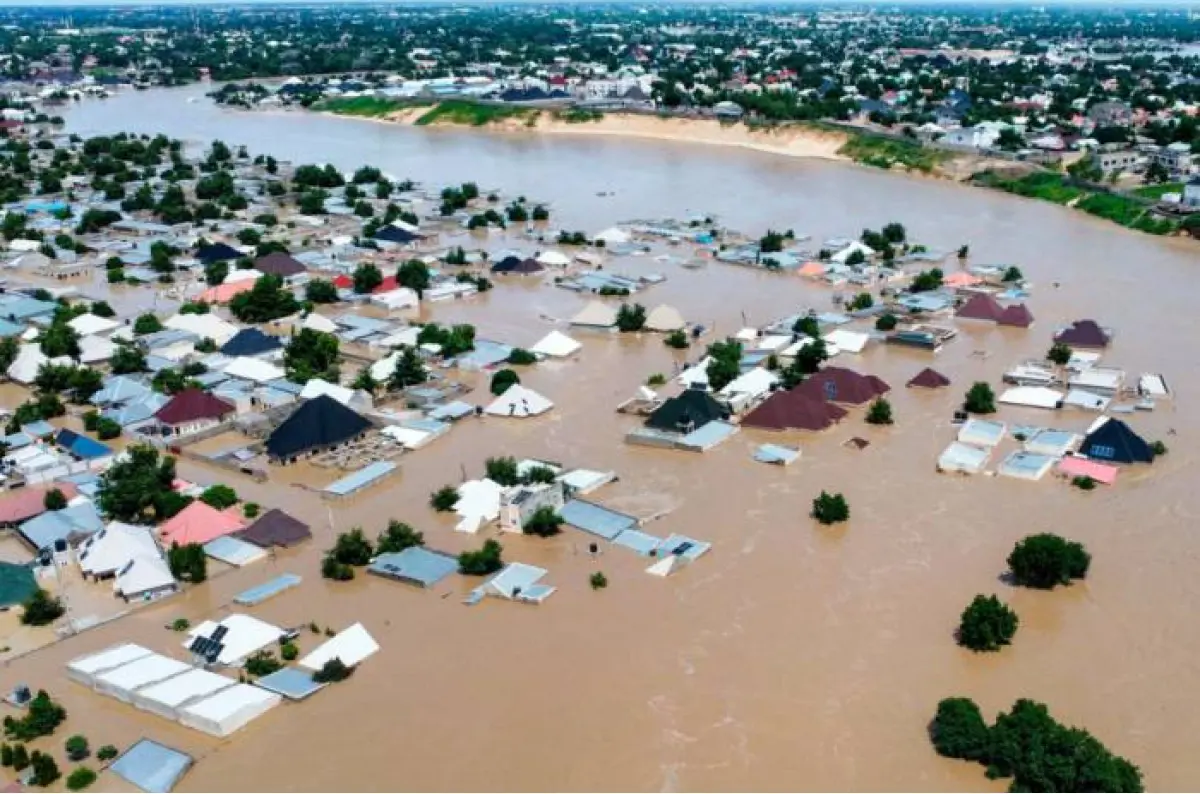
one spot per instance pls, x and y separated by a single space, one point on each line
457 111
1124 210
883 152
578 115
1156 191
366 106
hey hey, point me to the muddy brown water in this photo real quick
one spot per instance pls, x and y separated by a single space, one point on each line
791 656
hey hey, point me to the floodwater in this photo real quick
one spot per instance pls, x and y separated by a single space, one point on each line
791 656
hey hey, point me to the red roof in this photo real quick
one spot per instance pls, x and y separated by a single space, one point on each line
929 379
792 410
26 503
343 282
1016 315
980 307
387 285
840 385
190 405
1083 333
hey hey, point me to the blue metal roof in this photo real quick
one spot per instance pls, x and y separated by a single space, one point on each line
39 429
640 542
291 682
19 307
137 410
43 531
260 593
595 519
361 478
81 446
415 565
152 767
486 354
453 410
10 329
120 388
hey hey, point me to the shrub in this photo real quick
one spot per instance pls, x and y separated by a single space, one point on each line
1046 560
1058 354
397 537
251 509
503 380
77 747
332 671
1084 483
45 770
262 663
6 755
146 324
862 300
657 379
502 470
886 322
41 718
521 357
677 339
80 778
219 496
334 570
958 730
980 399
107 753
54 500
880 412
288 652
631 317
20 756
830 508
353 548
545 522
1158 448
42 609
482 561
181 624
987 624
598 580
444 499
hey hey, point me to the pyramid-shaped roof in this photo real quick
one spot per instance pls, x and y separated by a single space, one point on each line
1116 442
980 307
198 523
690 410
318 423
793 410
841 385
1017 315
1083 333
929 379
191 405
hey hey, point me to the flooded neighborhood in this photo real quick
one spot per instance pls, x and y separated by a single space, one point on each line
645 369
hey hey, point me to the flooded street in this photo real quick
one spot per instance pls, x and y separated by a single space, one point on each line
791 657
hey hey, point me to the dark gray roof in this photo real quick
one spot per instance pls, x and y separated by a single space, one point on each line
318 423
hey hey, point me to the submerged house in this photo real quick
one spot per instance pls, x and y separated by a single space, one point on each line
276 528
689 411
794 410
1115 442
1084 333
840 385
928 379
191 411
317 425
980 307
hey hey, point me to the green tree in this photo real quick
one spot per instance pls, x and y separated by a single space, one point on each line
521 357
980 399
598 580
219 496
830 508
444 499
147 324
886 322
215 273
54 500
334 570
1012 274
353 548
503 471
41 609
77 747
677 339
267 300
880 412
366 278
1046 560
320 290
138 488
397 537
42 717
20 760
631 317
45 769
414 274
332 671
1059 354
481 562
410 370
807 326
927 281
862 300
545 522
312 354
262 663
102 309
128 359
107 753
60 339
9 348
725 363
80 778
503 380
959 731
987 624
188 562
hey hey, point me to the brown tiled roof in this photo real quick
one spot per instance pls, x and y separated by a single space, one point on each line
276 528
792 410
190 405
980 307
929 379
841 385
1083 333
1017 315
278 263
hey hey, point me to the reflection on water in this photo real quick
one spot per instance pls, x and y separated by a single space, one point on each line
791 657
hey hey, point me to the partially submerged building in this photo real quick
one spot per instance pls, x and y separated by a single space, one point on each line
317 425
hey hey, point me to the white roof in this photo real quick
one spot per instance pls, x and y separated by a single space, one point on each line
519 401
319 322
352 646
1078 398
1153 385
142 573
696 375
1033 396
556 343
255 369
791 350
553 259
229 709
29 360
86 666
245 635
405 337
123 680
204 326
664 318
88 324
752 382
478 503
850 341
597 314
841 256
612 236
771 344
981 432
963 457
176 691
1105 378
236 275
111 548
409 437
318 387
93 349
401 298
515 575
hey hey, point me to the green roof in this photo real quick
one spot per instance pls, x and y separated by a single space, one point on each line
16 584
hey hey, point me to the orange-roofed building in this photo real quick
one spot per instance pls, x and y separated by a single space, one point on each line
22 504
961 278
223 293
812 270
199 523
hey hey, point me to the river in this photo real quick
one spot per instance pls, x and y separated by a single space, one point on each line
790 657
